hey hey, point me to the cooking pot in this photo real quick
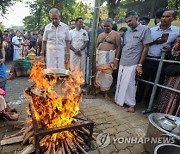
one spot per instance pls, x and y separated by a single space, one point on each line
167 149
168 123
155 130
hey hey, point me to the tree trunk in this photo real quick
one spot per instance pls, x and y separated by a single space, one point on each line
153 8
112 7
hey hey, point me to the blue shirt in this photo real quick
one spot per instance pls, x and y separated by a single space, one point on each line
156 32
134 42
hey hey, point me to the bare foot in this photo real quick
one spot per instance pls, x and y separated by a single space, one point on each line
106 96
98 90
131 109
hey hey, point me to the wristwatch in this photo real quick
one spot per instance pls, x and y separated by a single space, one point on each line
116 59
140 65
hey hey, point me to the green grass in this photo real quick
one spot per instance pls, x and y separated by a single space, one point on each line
151 24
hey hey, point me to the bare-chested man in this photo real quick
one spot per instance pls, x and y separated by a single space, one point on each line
107 56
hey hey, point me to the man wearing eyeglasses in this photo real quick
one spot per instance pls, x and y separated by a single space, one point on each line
55 41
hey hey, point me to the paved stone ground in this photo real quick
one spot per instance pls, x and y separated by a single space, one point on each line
108 118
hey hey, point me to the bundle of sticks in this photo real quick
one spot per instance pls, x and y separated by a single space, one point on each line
26 134
76 145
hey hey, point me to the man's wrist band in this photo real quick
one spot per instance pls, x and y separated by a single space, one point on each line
140 65
116 59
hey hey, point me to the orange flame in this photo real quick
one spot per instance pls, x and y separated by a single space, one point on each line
54 109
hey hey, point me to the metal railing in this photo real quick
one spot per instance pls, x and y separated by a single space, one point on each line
155 83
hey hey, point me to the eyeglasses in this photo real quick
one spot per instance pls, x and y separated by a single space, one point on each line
54 18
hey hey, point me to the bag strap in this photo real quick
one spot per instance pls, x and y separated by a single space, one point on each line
103 40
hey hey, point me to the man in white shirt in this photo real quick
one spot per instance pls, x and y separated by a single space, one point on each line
78 42
55 41
17 42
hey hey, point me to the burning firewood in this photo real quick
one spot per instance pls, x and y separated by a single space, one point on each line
53 149
66 147
54 104
62 145
48 150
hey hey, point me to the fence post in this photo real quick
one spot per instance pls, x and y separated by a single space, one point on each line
93 46
156 82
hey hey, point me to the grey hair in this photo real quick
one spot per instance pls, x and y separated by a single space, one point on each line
109 20
54 10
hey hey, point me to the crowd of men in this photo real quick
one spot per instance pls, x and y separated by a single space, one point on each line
120 56
127 56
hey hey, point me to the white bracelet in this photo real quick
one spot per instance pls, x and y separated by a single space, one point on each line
140 65
116 59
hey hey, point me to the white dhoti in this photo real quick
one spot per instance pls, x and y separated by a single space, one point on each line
126 86
79 61
17 53
55 57
104 66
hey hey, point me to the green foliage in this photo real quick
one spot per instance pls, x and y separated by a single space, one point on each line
2 27
4 4
40 12
117 8
174 4
81 10
103 12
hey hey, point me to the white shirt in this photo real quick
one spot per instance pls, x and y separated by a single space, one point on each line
78 37
56 38
156 32
17 40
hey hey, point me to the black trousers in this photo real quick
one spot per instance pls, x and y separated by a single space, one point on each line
149 73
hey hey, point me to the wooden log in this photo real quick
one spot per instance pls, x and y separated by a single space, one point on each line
29 149
71 145
62 145
66 147
80 141
12 140
48 150
80 148
13 135
53 149
59 150
78 137
28 122
20 126
88 133
28 135
28 129
32 140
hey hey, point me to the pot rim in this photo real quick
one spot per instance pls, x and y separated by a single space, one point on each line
170 134
164 144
